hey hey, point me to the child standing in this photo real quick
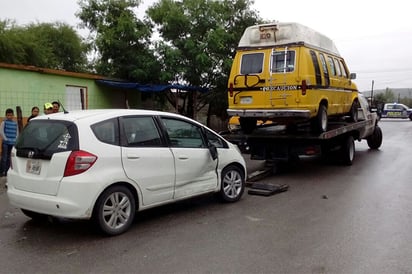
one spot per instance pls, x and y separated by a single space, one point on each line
9 132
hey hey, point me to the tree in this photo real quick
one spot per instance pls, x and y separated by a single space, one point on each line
49 45
120 40
197 43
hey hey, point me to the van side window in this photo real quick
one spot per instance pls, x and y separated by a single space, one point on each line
251 63
332 66
316 67
337 66
325 69
344 71
278 61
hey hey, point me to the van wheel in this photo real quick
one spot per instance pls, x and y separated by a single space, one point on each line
347 151
247 124
375 140
354 111
114 210
233 184
320 122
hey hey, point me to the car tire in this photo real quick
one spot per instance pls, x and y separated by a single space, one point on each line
347 151
354 114
232 184
114 211
320 122
375 140
35 215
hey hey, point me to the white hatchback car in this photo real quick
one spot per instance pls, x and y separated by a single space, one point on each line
106 164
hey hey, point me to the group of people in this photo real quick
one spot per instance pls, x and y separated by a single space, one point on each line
49 108
9 131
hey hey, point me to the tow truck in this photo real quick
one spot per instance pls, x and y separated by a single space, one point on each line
278 143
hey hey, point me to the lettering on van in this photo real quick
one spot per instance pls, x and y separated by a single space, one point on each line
280 88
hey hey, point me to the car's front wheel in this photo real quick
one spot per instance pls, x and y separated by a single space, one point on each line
233 184
114 210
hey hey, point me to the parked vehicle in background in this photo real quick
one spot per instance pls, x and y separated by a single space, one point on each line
289 73
396 110
106 164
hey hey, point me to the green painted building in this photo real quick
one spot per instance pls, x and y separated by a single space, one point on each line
28 86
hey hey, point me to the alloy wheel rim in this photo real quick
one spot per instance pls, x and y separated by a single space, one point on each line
116 210
232 184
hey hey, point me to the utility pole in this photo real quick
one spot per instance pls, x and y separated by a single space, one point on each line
373 81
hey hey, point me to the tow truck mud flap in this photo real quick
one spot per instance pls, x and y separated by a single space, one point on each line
267 189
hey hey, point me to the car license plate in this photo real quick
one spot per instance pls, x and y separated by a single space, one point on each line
246 100
33 166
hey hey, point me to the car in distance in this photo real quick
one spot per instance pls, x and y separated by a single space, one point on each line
396 110
104 165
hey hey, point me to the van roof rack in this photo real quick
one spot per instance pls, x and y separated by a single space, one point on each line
285 33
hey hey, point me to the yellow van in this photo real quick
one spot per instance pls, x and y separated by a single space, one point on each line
289 73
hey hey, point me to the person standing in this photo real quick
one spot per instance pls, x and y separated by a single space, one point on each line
48 108
9 132
34 113
56 106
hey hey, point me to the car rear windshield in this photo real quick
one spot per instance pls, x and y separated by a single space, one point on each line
41 139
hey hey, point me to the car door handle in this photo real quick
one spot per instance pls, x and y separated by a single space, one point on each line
133 156
183 157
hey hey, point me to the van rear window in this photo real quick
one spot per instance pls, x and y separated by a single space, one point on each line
283 62
251 63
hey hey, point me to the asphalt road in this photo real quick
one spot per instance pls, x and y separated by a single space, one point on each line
333 219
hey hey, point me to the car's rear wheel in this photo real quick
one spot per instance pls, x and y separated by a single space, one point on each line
34 215
320 122
115 210
233 184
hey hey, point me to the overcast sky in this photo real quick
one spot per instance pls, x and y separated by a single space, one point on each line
374 37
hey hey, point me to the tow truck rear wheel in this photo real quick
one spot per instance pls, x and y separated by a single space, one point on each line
347 150
375 140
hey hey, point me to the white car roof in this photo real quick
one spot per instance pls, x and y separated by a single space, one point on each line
101 114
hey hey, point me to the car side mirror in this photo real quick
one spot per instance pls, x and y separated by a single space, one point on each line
213 151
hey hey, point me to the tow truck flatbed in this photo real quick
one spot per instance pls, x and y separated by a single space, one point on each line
277 143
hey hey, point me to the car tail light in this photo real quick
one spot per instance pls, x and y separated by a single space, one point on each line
231 89
78 162
304 87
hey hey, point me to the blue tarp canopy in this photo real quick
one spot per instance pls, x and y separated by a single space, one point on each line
149 88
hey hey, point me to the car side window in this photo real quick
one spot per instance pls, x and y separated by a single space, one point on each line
215 140
141 131
107 131
183 134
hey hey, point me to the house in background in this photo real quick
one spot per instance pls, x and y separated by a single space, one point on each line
28 86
